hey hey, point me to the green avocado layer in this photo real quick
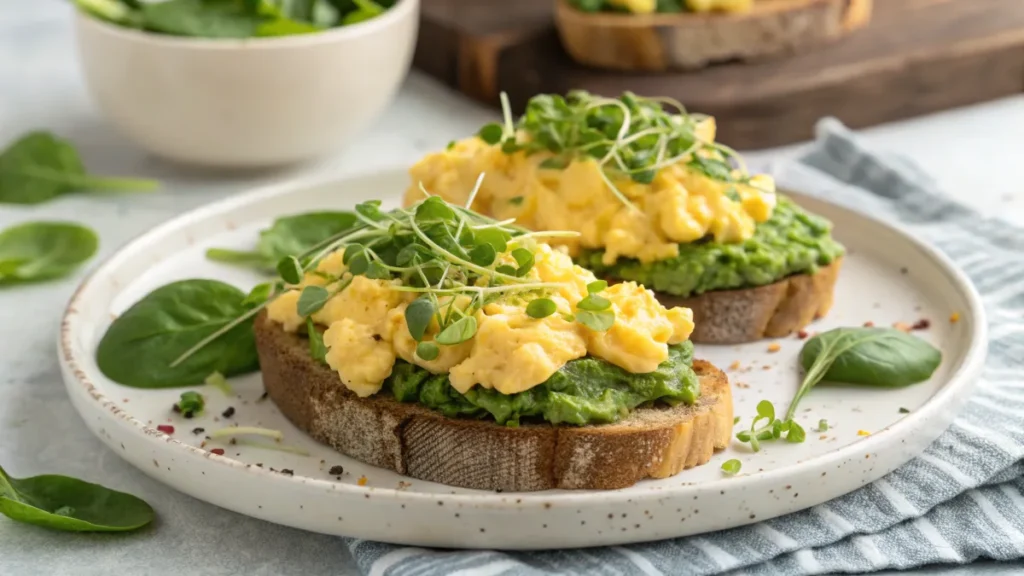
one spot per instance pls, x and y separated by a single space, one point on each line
792 241
584 391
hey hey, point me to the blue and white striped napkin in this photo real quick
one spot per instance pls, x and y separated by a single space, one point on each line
961 500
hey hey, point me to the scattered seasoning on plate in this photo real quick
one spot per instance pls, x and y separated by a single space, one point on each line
904 411
954 317
901 326
259 464
198 431
869 324
922 324
336 471
742 385
823 436
362 481
217 451
402 485
263 396
802 334
863 433
175 408
229 412
735 365
287 472
166 428
774 347
766 367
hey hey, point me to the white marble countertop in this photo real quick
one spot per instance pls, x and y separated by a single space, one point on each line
969 151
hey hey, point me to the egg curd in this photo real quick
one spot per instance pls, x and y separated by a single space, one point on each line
680 205
651 6
511 352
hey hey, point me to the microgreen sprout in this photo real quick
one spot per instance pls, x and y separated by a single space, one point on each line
629 136
455 260
772 429
731 467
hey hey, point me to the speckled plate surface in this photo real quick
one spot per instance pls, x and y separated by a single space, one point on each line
888 277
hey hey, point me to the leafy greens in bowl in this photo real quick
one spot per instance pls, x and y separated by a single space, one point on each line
235 18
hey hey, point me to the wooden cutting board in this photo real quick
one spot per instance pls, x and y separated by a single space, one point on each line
915 57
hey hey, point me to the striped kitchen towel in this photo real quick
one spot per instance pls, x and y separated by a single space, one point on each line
961 500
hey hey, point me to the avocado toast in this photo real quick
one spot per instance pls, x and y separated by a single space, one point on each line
453 348
656 201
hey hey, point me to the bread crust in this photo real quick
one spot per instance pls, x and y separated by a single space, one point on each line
771 311
410 439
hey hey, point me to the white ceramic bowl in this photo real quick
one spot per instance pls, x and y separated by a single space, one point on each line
247 103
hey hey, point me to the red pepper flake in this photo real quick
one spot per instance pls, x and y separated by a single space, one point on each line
802 334
217 451
869 324
362 481
922 324
166 429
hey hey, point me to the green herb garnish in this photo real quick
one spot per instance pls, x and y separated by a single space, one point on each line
822 425
772 429
731 467
191 404
317 349
65 503
446 254
540 308
630 136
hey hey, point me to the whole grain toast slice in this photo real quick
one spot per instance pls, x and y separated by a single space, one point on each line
771 311
654 442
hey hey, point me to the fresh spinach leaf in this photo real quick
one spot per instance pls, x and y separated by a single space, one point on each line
202 18
64 503
43 250
288 236
140 347
880 357
39 167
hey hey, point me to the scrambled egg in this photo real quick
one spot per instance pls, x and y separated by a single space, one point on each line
680 205
723 5
511 351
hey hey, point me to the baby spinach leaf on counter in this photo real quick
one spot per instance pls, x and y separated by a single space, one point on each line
141 346
880 357
43 250
64 503
288 236
39 167
317 349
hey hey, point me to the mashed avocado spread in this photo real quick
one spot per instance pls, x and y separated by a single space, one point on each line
792 241
584 391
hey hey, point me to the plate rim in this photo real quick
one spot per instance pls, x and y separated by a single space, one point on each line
964 377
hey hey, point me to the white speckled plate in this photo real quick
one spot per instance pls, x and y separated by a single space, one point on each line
887 277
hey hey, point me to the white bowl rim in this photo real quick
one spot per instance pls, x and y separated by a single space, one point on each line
963 378
399 11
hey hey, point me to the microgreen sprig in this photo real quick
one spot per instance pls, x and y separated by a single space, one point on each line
773 428
456 260
629 136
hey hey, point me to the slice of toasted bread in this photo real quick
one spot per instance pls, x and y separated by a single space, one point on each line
410 439
771 311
